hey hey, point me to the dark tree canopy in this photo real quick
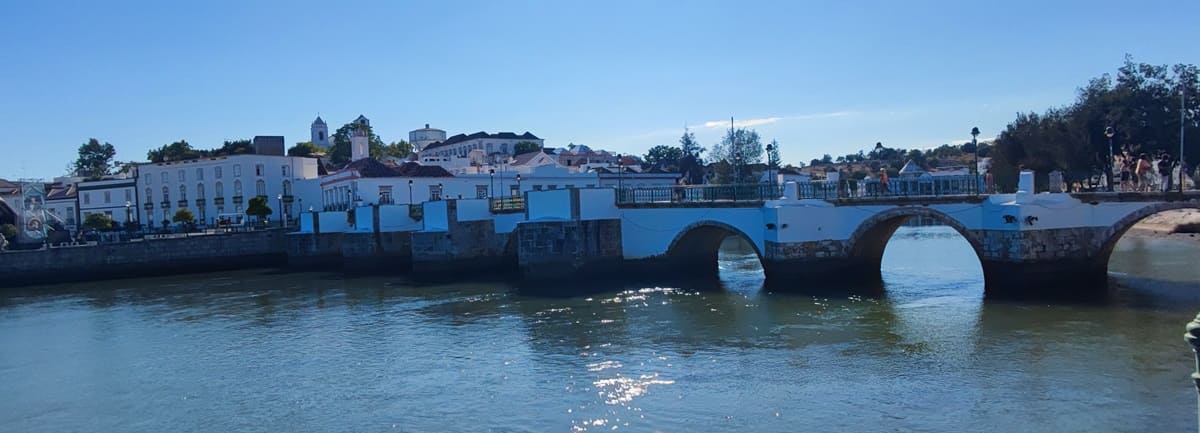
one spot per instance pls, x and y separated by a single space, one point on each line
689 146
663 155
258 207
525 147
305 148
181 150
95 159
183 216
1142 105
98 221
398 149
339 147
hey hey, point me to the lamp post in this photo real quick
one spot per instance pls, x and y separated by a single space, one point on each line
1108 172
128 212
737 172
771 164
975 170
491 183
620 173
1182 119
349 198
282 216
519 185
410 193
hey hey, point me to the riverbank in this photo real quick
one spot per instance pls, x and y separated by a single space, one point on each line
1166 225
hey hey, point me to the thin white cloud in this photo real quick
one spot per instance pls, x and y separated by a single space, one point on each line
768 120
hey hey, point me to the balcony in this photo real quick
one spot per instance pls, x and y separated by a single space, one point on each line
148 206
166 204
237 199
200 202
183 203
219 201
289 199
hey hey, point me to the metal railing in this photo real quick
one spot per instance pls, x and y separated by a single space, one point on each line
508 204
822 190
699 193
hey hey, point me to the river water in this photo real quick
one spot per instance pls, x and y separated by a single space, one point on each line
260 351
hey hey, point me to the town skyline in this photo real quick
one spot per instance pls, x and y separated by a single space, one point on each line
623 79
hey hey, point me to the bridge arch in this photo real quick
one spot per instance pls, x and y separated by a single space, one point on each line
1104 243
696 246
867 243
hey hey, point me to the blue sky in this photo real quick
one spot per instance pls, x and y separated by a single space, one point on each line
820 77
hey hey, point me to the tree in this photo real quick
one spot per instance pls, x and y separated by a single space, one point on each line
525 147
95 159
773 154
258 207
177 151
689 146
398 149
183 216
305 148
739 147
236 147
663 155
98 221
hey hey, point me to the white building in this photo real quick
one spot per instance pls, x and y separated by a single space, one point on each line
494 147
62 203
419 138
212 186
320 133
108 196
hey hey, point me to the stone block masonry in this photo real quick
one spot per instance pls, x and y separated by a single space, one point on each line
145 258
551 250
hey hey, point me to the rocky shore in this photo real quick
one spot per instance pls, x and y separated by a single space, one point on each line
1167 225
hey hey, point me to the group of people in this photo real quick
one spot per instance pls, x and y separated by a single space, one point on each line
1141 173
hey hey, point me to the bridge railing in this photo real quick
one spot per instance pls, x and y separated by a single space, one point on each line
821 190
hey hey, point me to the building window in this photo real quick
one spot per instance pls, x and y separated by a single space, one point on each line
237 188
237 208
481 191
537 187
287 187
435 192
182 192
219 189
149 195
182 175
285 171
70 215
128 194
199 174
87 198
166 193
200 214
200 191
553 187
514 190
237 171
164 177
217 172
146 178
259 170
107 197
260 188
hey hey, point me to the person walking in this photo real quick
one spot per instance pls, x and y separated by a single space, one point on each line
1164 172
883 181
1142 173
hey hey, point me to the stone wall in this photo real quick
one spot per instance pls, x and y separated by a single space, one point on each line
314 250
569 249
144 258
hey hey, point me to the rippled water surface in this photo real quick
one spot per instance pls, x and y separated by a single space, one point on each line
260 351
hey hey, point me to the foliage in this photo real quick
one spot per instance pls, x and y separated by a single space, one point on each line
773 154
258 207
525 147
305 148
176 151
739 147
9 231
398 149
183 216
95 159
1142 104
663 155
339 148
689 146
98 221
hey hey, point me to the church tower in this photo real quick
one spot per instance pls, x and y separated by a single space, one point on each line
320 133
360 139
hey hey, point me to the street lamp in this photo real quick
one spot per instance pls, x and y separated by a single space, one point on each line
410 192
771 163
620 173
282 217
491 182
519 185
128 212
1108 175
975 144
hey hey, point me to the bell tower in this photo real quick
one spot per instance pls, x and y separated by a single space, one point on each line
320 132
360 138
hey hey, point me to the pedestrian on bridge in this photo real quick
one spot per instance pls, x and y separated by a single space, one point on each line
883 181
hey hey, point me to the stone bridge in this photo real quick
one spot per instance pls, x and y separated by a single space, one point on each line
1026 243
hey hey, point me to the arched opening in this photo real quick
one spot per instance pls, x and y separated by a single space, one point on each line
917 248
716 250
1152 244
